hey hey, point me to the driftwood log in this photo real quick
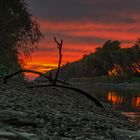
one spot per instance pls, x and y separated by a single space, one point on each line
93 99
54 85
5 79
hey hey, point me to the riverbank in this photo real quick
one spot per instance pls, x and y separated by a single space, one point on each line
58 114
109 82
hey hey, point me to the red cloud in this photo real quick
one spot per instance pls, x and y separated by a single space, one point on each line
76 44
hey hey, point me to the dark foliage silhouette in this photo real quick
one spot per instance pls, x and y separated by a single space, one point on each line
19 33
109 59
116 60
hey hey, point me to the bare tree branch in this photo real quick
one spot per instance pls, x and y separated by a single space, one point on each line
53 81
59 46
31 71
93 99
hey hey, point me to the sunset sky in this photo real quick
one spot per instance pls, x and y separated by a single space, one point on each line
83 25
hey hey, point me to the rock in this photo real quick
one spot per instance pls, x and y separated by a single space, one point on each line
18 135
123 134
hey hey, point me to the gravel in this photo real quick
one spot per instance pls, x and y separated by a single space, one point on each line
57 114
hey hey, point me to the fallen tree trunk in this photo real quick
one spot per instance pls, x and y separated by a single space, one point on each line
32 71
74 89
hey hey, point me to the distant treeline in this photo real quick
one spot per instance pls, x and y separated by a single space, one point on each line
112 59
109 59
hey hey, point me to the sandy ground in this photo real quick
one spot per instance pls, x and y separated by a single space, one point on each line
58 114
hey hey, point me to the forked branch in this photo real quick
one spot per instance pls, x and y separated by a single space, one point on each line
59 46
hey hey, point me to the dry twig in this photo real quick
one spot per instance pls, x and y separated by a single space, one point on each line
59 46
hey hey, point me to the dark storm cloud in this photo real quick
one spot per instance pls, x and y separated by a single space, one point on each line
99 10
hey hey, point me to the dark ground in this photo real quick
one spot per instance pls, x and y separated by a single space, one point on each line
58 114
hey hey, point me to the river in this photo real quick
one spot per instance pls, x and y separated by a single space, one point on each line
125 101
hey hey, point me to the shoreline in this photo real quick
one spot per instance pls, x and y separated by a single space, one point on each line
57 114
116 85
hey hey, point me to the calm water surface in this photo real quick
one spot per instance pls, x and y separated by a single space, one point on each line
128 102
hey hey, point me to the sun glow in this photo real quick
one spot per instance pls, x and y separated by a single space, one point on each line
38 66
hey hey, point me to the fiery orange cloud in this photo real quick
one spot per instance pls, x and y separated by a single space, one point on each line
80 37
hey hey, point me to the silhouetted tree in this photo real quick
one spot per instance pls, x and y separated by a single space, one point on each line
112 59
109 59
19 33
106 54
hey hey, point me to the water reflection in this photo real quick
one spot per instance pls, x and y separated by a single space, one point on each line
136 102
128 102
124 102
114 98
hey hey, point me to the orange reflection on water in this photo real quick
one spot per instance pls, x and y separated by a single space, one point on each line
117 99
114 98
136 102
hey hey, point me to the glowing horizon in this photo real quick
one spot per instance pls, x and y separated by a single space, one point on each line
82 29
74 47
